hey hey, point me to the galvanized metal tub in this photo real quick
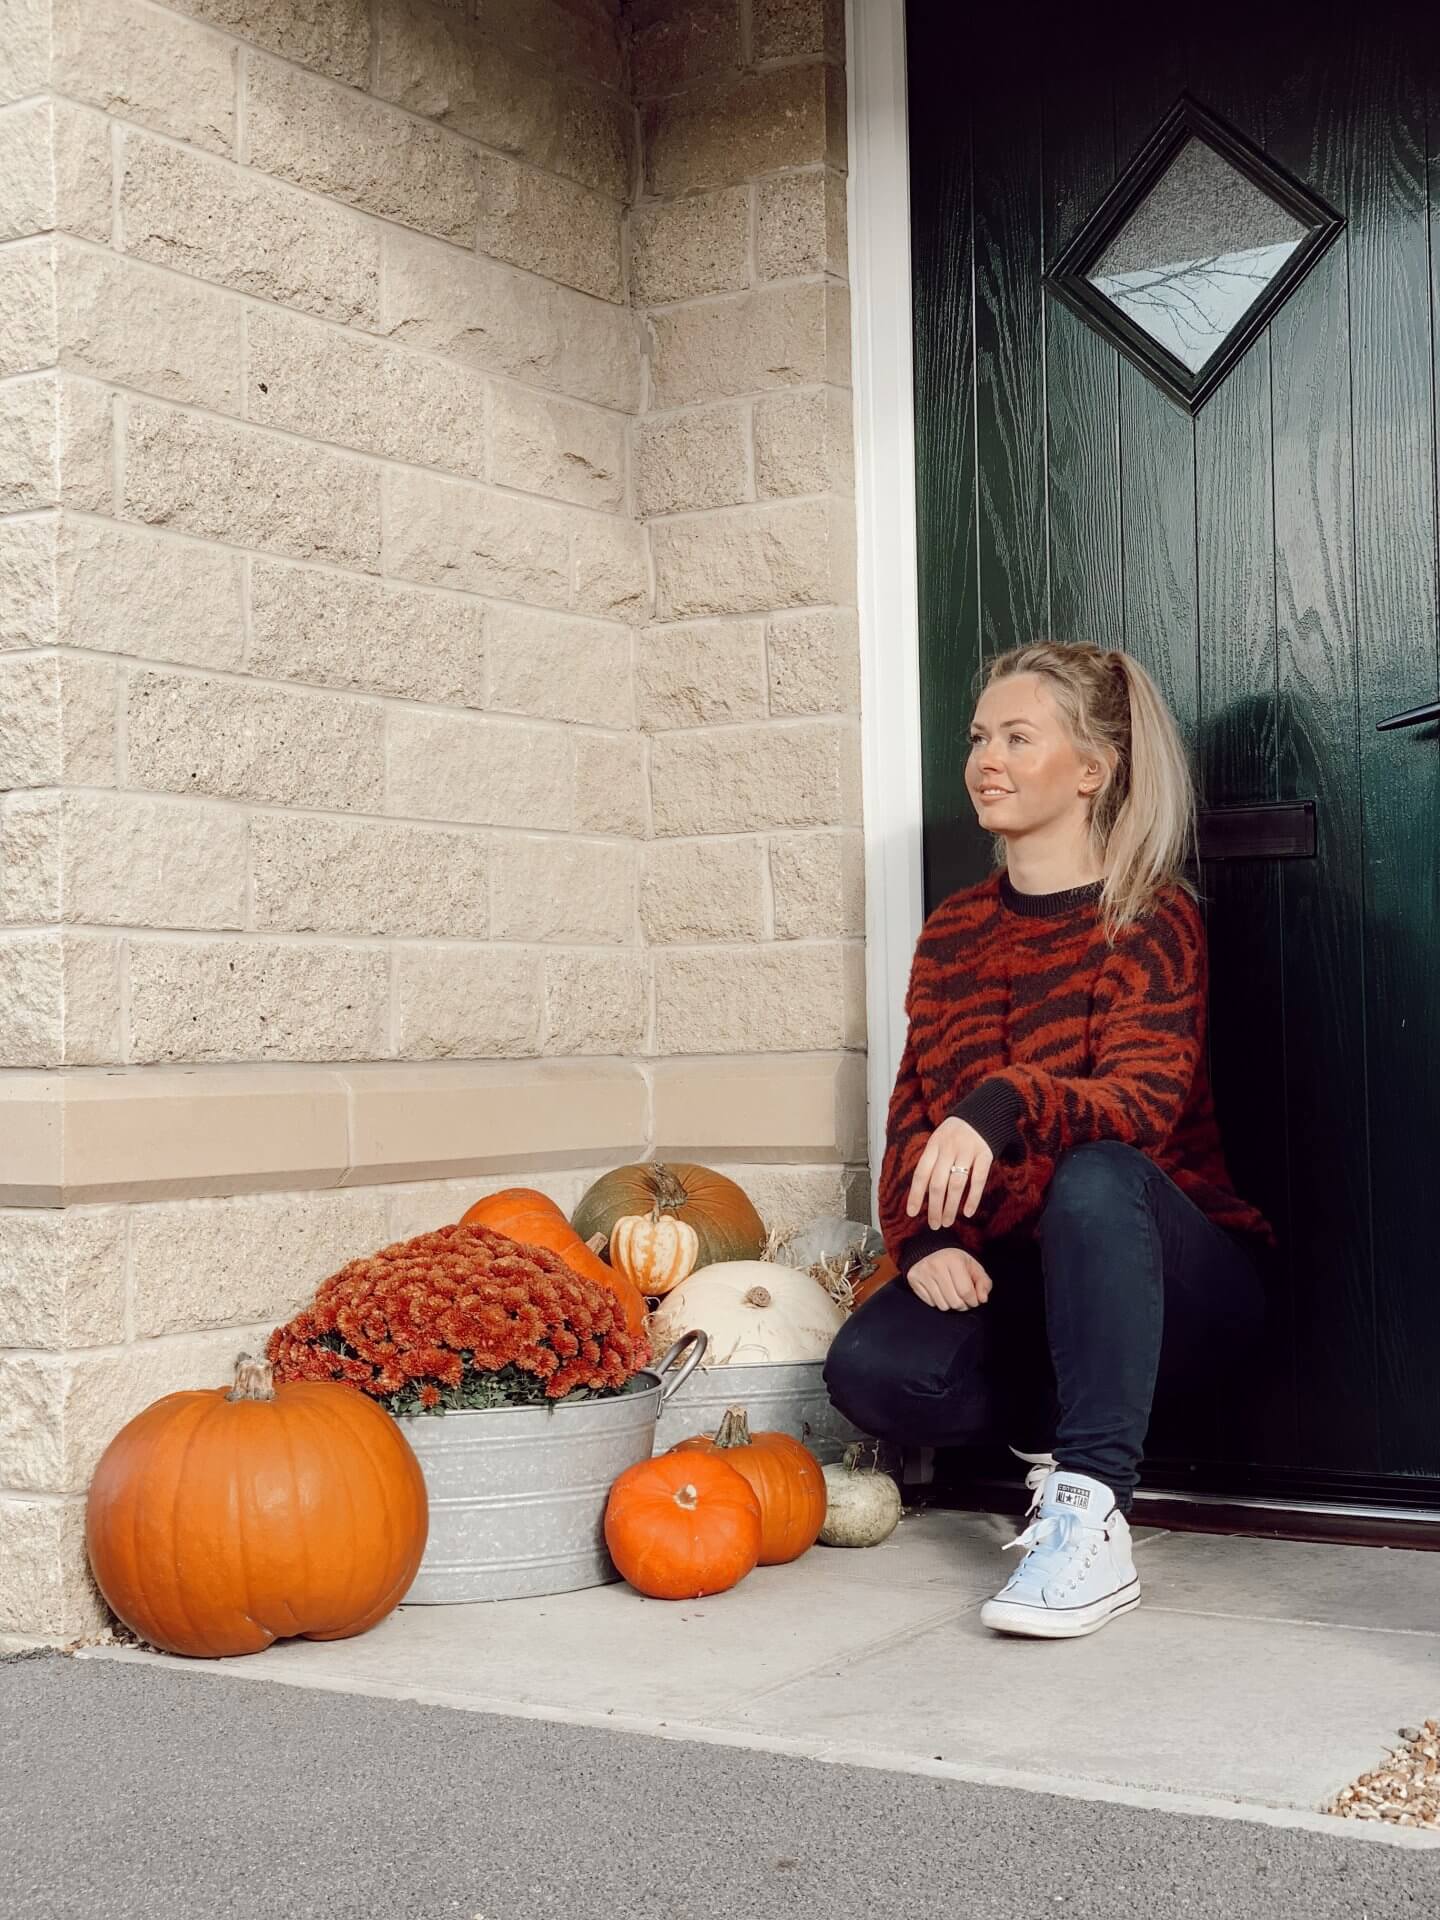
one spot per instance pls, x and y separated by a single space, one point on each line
778 1398
517 1494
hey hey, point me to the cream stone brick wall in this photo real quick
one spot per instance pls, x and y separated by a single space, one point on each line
428 667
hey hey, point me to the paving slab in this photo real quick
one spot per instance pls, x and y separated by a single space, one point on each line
1257 1675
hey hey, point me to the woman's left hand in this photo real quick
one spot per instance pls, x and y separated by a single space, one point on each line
951 1171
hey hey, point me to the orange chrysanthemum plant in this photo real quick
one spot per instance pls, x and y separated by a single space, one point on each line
461 1319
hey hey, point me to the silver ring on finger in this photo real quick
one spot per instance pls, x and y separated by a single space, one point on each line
957 1173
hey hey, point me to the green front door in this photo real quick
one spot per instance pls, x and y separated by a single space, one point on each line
1270 553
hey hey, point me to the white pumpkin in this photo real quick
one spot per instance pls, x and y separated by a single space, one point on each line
753 1310
862 1507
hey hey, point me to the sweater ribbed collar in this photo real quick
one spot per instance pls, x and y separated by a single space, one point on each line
1048 906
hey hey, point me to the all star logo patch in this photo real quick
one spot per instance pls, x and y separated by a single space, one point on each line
1071 1497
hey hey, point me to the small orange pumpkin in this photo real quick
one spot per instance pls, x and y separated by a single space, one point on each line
681 1526
655 1252
523 1214
224 1519
786 1478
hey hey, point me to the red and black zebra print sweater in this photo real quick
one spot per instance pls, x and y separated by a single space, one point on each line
1024 1023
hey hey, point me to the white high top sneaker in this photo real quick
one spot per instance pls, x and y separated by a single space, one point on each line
1077 1572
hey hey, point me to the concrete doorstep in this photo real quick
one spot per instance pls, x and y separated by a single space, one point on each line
1256 1679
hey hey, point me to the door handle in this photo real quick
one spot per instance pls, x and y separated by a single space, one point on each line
1416 717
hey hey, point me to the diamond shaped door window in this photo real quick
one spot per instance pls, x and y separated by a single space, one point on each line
1192 251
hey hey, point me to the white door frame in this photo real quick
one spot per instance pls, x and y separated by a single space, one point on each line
882 344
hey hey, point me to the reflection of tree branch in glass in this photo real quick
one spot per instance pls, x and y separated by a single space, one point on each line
1190 307
1196 253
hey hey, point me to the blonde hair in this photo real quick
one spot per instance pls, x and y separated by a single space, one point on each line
1142 821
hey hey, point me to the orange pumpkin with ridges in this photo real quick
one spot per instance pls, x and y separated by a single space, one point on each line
786 1479
681 1526
221 1520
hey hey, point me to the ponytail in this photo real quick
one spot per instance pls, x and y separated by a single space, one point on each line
1142 821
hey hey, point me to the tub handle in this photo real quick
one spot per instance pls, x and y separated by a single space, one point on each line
697 1340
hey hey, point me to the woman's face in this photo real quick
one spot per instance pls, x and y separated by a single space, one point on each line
1024 771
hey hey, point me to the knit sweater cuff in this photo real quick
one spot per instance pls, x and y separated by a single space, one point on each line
928 1240
993 1109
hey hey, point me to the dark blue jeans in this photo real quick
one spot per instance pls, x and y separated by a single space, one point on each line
1126 1302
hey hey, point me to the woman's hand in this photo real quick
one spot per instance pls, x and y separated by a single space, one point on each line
952 1172
950 1278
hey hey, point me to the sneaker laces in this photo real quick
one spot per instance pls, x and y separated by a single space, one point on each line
1055 1549
1034 1480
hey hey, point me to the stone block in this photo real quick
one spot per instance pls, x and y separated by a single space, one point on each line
45 1585
447 533
56 444
788 117
681 249
216 222
315 875
25 50
490 316
611 790
555 667
746 779
62 1277
696 459
673 47
786 28
59 1000
803 442
482 771
57 721
438 64
198 1264
817 882
120 590
332 36
331 141
248 741
800 224
814 662
30 847
58 1416
749 559
543 444
749 343
313 380
787 1197
254 999
550 226
580 39
55 162
754 1000
806 1108
612 568
150 67
553 889
697 676
122 860
29 322
596 1003
175 338
250 489
27 582
701 890
340 630
467 1003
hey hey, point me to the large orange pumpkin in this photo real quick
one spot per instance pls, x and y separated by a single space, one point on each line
221 1520
682 1525
523 1214
786 1479
727 1225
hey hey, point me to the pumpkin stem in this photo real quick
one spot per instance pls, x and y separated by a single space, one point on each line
757 1297
734 1429
596 1243
686 1497
668 1189
254 1379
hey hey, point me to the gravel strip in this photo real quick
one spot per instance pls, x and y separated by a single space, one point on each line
1405 1790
